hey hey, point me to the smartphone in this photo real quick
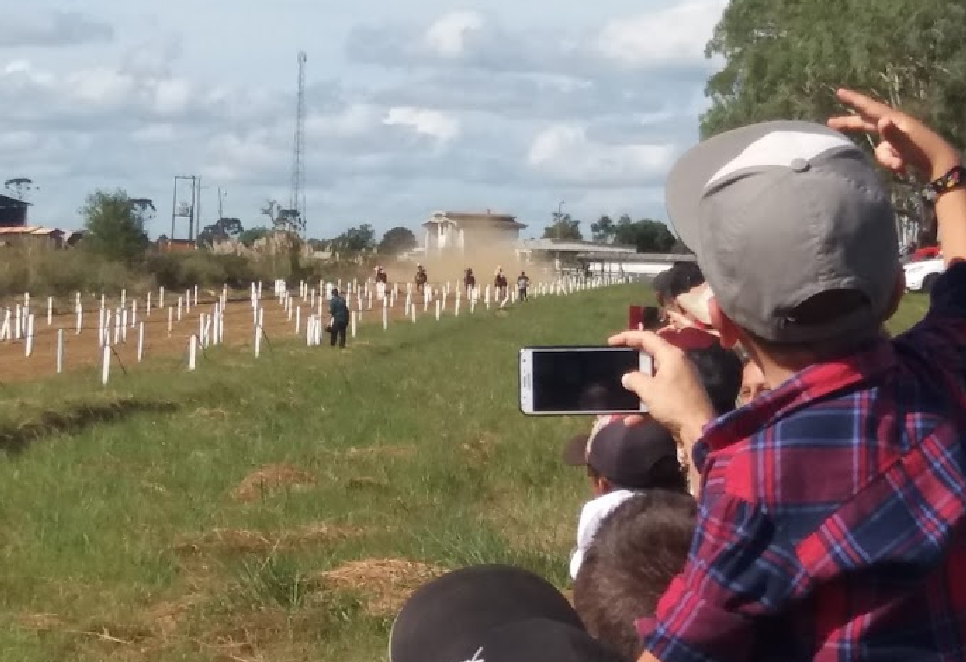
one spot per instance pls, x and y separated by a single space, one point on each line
578 380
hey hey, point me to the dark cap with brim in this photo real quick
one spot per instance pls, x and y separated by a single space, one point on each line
625 453
780 212
449 618
542 640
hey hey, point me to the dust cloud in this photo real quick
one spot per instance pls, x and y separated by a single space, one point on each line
483 254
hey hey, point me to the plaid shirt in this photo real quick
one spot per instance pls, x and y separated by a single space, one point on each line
832 523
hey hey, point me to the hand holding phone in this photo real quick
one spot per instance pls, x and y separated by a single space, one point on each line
576 380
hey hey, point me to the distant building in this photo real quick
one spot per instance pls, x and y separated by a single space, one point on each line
29 235
584 256
460 231
13 212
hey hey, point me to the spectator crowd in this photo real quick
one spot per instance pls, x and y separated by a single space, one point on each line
797 488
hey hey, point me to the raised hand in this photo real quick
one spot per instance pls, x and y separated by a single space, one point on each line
904 141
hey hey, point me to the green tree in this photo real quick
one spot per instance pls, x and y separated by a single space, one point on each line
603 229
563 228
114 228
784 60
221 230
647 235
250 236
396 240
355 240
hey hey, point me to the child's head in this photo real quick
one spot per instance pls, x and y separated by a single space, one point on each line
636 552
794 231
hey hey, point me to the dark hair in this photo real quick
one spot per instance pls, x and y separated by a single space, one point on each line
720 371
638 549
661 286
666 474
684 276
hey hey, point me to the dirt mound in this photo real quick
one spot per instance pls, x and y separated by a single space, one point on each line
271 478
385 584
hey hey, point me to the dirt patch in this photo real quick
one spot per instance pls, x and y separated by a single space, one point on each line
271 478
227 542
385 584
40 622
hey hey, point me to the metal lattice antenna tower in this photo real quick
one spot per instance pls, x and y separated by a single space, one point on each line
298 166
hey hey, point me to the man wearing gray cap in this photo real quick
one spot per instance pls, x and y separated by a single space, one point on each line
832 521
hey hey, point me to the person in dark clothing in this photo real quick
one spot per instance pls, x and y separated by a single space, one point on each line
381 276
340 318
421 278
469 283
500 284
523 282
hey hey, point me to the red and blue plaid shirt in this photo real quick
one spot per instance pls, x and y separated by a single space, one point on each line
832 523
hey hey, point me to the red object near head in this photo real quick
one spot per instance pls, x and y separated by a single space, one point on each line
688 339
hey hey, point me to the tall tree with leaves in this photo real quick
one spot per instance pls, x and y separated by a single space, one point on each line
563 228
355 239
784 60
603 230
396 240
646 235
223 229
114 227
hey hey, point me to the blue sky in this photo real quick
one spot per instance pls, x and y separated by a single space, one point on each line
412 107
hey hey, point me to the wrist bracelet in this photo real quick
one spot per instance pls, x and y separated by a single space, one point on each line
955 178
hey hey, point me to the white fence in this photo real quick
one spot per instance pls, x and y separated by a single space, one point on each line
306 310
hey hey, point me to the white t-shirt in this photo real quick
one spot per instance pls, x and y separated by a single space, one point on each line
591 515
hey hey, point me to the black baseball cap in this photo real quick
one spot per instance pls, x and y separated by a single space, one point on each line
542 640
449 618
623 454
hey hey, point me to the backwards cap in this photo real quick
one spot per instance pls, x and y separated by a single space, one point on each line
779 212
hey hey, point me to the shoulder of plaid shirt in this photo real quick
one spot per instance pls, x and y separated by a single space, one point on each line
834 528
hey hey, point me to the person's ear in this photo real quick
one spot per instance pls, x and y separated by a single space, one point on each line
727 330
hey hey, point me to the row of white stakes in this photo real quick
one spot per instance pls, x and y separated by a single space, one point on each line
211 327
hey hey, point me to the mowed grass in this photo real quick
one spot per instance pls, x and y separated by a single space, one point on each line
282 509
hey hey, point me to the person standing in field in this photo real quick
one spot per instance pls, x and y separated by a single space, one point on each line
421 278
523 282
500 285
340 319
469 283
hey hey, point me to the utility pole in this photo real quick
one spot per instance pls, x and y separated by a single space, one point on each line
297 203
189 211
221 203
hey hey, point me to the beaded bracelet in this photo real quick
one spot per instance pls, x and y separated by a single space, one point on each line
953 179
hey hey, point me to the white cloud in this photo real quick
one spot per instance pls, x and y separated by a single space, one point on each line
514 107
565 153
447 35
424 121
676 33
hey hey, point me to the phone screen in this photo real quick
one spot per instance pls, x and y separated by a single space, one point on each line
578 380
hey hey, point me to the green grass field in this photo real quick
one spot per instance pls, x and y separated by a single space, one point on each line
281 510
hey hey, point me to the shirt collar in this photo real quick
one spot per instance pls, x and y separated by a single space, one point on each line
812 383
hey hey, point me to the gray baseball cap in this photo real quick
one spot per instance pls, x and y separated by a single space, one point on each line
779 212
